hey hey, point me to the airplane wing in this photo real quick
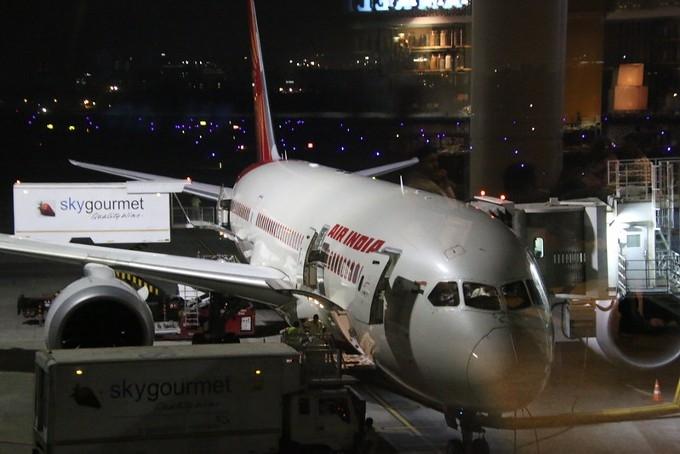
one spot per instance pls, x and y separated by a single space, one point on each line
207 191
257 283
387 168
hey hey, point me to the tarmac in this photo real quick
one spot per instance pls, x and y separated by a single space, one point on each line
580 380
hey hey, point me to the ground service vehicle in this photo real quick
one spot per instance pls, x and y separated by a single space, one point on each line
242 398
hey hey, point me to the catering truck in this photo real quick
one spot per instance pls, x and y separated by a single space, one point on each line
236 398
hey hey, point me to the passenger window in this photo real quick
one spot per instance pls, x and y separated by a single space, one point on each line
516 296
444 294
481 296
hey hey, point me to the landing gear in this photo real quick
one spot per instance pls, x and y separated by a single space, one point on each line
466 422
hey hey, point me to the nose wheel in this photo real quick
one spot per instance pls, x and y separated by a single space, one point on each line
476 446
466 422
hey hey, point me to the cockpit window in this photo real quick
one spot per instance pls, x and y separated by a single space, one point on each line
515 295
535 294
444 294
481 296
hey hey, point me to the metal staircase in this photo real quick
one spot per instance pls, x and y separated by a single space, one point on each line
652 181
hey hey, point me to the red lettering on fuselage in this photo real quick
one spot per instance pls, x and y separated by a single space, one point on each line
354 239
375 246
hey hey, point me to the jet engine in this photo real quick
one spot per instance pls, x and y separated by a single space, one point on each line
626 336
98 310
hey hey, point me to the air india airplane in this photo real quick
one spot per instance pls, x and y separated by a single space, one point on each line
443 298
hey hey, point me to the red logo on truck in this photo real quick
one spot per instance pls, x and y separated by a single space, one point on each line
45 209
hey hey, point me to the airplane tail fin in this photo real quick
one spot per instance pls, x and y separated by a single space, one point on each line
264 129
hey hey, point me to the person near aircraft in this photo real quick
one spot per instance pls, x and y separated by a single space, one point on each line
315 328
294 335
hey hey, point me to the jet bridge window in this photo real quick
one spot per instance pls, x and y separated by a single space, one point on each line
516 296
444 294
480 296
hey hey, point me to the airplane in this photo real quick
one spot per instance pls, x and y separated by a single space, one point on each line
445 300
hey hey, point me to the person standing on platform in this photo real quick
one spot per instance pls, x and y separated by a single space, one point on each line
315 328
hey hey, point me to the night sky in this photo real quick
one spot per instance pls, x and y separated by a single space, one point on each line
71 37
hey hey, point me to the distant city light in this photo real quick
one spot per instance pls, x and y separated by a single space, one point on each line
71 128
50 126
203 123
43 110
502 196
236 127
113 87
310 145
482 192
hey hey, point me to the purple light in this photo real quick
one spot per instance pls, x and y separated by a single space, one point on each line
342 148
668 149
361 138
583 136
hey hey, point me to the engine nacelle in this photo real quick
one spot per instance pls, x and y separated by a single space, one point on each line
648 349
98 310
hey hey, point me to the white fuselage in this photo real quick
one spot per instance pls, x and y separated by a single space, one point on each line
453 357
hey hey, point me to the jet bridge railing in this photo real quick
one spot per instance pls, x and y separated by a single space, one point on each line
621 284
661 274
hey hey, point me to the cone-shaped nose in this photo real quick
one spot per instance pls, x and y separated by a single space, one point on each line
509 366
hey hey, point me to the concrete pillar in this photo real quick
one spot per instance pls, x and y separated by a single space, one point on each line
518 50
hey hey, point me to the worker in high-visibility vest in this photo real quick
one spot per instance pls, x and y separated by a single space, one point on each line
294 335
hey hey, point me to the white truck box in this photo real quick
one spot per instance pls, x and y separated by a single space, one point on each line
175 399
127 212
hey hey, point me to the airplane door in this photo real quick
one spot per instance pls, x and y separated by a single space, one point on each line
311 254
369 303
638 273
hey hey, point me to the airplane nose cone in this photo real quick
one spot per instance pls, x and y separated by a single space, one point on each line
509 367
